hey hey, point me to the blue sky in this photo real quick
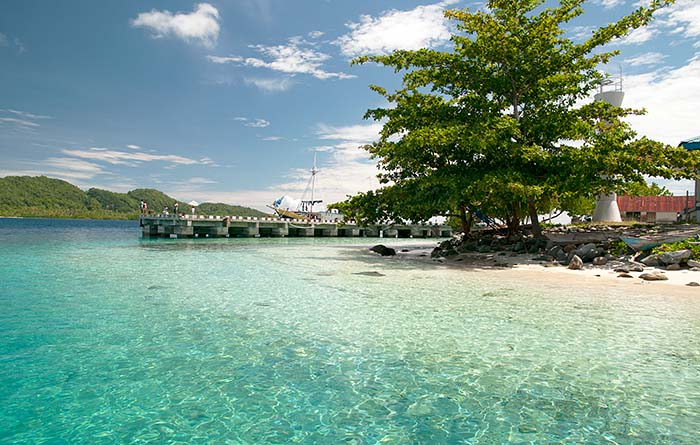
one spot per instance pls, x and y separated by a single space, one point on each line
227 100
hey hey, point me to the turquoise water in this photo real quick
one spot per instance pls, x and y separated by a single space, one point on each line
107 338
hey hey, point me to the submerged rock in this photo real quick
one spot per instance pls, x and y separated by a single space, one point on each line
370 274
383 250
693 284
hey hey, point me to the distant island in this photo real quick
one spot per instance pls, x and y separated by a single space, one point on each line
42 197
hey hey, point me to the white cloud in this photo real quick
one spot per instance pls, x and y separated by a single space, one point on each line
296 57
21 122
26 115
131 158
68 169
197 181
5 41
201 25
272 138
316 34
270 85
133 147
221 60
652 58
344 169
254 123
75 168
636 36
581 33
362 134
671 98
19 45
422 27
683 16
607 4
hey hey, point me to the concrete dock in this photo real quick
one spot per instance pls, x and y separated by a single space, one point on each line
200 226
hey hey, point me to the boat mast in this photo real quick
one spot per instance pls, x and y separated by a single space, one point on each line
313 182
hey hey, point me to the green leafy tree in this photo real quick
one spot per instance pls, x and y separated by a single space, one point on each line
54 198
644 189
495 126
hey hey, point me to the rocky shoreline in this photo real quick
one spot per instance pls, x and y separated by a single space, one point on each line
576 248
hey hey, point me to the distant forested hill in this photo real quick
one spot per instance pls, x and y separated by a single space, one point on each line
54 198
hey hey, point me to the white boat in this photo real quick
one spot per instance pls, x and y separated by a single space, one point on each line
287 207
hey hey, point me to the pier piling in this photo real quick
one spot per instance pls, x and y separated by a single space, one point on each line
201 226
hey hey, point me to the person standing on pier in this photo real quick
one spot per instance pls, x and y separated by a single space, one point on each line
192 210
175 206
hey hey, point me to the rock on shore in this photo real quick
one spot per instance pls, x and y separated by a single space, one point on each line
574 247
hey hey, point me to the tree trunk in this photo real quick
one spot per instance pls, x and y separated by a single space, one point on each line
534 220
513 220
466 223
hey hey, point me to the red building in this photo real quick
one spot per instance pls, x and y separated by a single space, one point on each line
654 208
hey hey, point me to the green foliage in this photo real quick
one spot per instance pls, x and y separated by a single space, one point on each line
157 200
620 248
691 244
208 208
495 124
114 202
53 198
42 194
643 189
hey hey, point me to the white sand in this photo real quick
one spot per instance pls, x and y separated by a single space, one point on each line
523 267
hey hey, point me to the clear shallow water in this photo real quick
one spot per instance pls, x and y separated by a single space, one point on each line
108 338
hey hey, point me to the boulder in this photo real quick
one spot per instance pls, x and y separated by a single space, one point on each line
576 263
673 267
444 245
467 247
693 263
676 257
587 252
693 284
630 267
625 275
652 260
546 258
557 253
653 276
600 261
383 250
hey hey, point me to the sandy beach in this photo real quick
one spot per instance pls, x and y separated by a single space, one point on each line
524 267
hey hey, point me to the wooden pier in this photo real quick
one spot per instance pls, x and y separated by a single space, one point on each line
201 226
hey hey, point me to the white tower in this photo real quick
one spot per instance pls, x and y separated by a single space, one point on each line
606 205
